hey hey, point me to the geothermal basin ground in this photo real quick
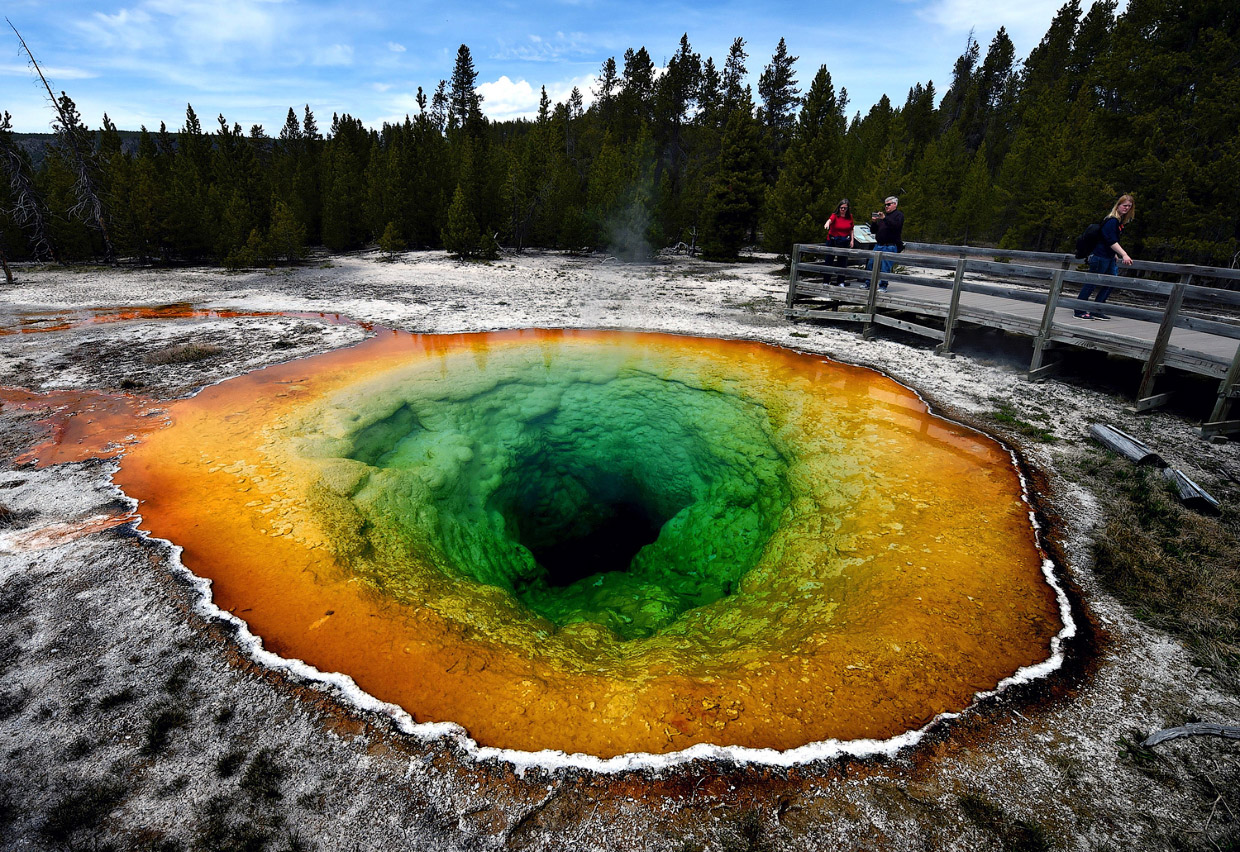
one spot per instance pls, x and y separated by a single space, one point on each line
131 718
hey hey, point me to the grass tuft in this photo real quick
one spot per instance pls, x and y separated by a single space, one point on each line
177 681
117 699
1016 835
14 701
81 810
1006 415
159 730
227 766
263 776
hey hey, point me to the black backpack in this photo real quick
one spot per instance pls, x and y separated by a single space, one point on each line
1088 241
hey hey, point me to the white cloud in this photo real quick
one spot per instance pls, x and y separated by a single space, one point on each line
507 99
52 73
396 48
536 48
1026 22
197 31
335 54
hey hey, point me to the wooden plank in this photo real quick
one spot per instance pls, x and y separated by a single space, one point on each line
839 316
793 274
871 300
975 251
1037 374
1013 294
1187 269
1027 326
1135 351
1120 282
1153 364
1192 729
1041 341
1220 427
1126 445
1058 258
1211 363
1149 403
1011 270
893 322
1226 391
953 310
1190 493
1214 295
1209 326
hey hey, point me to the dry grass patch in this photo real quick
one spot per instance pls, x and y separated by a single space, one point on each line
1174 568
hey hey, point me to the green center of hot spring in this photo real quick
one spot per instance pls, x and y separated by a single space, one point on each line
589 490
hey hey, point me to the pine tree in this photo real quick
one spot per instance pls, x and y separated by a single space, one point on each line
735 197
973 219
606 93
732 83
780 97
464 102
811 180
287 236
635 103
461 235
391 243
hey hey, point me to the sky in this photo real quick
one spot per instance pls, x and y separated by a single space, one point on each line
143 61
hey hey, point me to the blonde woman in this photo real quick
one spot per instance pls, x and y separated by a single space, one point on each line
1109 254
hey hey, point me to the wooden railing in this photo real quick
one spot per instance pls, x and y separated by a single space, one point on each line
1163 323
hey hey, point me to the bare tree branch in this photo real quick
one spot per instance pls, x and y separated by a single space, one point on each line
71 132
27 209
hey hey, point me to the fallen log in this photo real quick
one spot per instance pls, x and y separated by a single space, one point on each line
1124 444
1192 729
1190 493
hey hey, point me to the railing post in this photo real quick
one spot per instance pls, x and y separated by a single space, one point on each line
1043 340
871 302
1153 365
792 275
1228 390
953 308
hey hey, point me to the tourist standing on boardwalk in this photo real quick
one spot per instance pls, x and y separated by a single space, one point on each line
888 228
1109 254
839 230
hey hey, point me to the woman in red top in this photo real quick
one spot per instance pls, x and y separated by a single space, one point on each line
839 230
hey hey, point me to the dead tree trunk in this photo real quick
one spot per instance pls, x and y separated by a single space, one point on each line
71 132
28 210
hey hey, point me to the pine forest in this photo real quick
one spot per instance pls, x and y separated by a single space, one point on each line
1003 152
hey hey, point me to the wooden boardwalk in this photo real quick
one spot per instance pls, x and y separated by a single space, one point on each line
1166 324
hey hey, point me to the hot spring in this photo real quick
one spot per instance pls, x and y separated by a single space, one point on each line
606 542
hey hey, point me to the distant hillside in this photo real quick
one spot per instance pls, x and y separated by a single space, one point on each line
36 144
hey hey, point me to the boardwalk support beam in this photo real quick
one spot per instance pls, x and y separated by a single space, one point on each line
1146 398
1228 391
871 302
953 308
1042 342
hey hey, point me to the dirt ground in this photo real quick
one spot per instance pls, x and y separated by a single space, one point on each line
131 718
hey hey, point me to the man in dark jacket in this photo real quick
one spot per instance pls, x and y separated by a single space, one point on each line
888 228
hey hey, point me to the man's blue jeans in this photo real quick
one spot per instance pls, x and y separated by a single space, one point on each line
887 264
